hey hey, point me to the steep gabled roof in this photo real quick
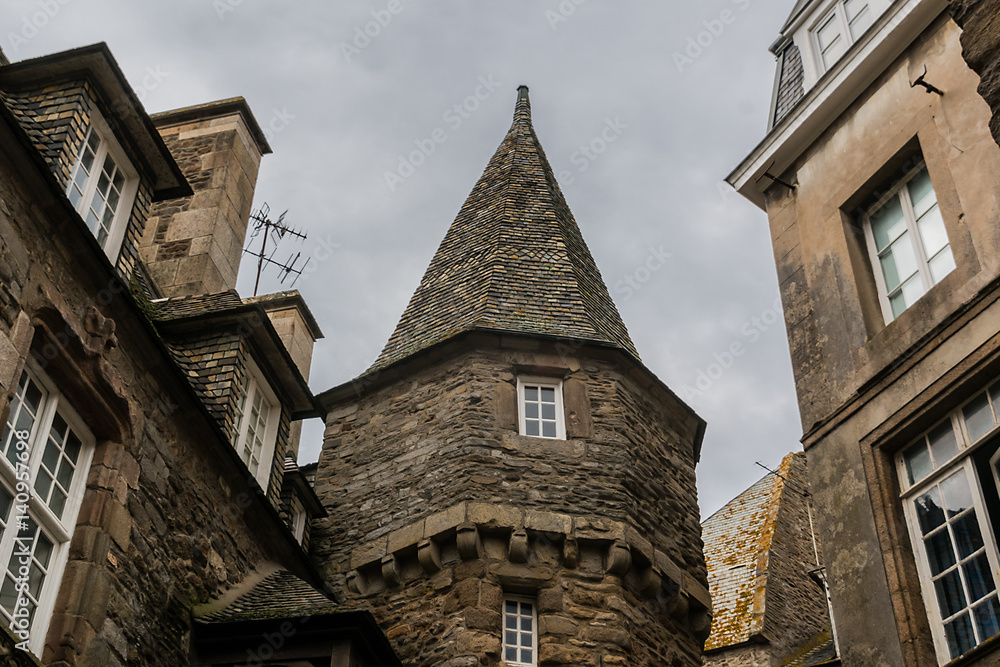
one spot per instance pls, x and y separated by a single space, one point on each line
513 261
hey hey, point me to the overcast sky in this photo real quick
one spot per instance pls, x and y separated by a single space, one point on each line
680 88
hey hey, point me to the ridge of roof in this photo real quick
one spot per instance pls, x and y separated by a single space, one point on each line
514 260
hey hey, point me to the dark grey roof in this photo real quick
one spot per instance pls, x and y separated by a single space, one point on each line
514 260
180 307
280 595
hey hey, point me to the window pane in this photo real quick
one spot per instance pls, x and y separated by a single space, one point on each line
531 394
549 411
950 595
921 193
942 265
968 538
911 291
959 634
940 555
510 622
889 271
861 23
531 427
979 577
526 655
978 417
548 430
918 462
943 443
932 231
510 654
957 495
531 410
548 395
904 261
526 621
987 615
929 511
888 223
995 397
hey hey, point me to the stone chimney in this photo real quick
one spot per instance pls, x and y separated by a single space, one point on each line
193 245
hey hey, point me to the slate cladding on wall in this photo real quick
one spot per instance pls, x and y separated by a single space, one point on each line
790 83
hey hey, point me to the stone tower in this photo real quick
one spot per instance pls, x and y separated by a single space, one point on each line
508 484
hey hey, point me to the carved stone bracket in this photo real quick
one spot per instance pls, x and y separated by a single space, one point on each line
101 330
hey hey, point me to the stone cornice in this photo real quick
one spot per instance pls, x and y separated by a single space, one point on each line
466 523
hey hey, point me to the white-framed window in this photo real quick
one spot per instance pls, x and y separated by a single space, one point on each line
256 416
102 186
907 242
298 519
540 407
840 27
951 483
46 455
520 632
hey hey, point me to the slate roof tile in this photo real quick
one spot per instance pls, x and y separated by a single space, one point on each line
280 595
514 260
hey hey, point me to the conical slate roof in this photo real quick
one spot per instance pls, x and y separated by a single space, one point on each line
513 261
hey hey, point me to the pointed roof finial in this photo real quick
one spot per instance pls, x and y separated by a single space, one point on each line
523 109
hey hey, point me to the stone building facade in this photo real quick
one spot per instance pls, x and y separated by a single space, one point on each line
508 484
148 514
879 176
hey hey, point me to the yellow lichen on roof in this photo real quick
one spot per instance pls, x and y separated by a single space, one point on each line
737 542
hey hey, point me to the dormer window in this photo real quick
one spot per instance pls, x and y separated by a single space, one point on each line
540 408
102 186
256 416
840 27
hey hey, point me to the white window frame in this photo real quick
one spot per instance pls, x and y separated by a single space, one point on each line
254 383
519 600
548 383
961 460
109 145
900 191
803 32
59 531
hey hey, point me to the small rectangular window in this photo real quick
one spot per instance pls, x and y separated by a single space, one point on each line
540 408
907 242
520 636
256 418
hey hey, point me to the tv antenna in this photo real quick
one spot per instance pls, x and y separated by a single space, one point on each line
266 228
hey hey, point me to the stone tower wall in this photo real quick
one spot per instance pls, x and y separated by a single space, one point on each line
438 505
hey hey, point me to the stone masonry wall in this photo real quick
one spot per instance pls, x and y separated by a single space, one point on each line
167 520
980 22
194 245
448 434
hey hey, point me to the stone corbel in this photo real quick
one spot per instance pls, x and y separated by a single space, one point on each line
429 555
518 550
650 583
390 570
571 553
356 583
467 537
619 558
